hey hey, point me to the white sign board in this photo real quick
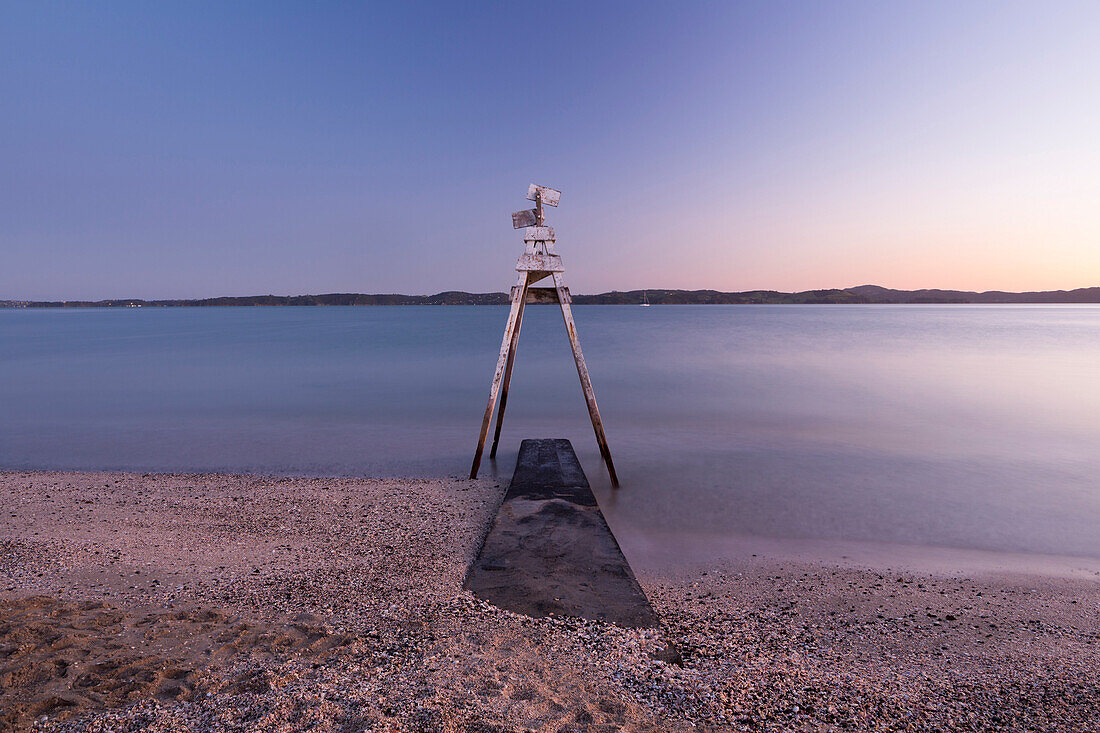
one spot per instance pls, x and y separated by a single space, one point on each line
538 234
550 196
525 218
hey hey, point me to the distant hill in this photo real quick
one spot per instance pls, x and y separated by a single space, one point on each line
717 297
876 294
863 294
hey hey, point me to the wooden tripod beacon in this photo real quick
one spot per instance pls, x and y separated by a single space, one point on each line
537 262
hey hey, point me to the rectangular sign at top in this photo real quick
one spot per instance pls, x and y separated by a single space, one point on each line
550 196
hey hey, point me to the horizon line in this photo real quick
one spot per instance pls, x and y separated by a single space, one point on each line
849 289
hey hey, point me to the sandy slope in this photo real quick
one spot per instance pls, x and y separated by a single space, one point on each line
205 602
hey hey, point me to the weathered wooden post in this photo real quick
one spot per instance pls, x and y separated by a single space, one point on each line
538 262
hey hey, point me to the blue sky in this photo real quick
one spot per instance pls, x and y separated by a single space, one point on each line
192 150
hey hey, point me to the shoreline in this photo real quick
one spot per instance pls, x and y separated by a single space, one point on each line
669 553
672 554
213 601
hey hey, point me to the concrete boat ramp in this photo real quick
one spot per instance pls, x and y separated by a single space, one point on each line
550 551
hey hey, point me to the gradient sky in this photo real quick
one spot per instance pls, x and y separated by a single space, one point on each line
187 150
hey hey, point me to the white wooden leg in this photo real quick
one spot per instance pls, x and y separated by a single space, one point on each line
518 297
508 371
586 383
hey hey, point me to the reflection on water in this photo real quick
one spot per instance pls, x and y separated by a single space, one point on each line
968 426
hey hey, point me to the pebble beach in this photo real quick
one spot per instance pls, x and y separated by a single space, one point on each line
142 602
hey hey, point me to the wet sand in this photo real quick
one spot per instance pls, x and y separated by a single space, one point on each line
210 602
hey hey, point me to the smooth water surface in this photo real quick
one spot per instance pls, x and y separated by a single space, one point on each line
960 426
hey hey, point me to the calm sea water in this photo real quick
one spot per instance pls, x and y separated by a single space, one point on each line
958 426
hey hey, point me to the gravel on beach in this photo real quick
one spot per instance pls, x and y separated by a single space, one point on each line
247 603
